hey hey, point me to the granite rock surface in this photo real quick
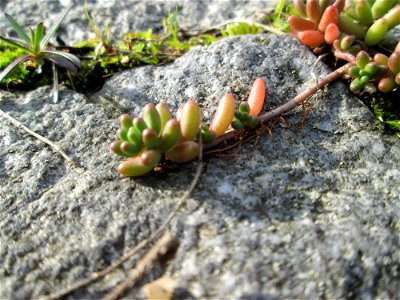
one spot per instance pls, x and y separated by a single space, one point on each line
310 212
130 15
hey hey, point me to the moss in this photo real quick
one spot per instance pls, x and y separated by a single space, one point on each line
387 110
7 55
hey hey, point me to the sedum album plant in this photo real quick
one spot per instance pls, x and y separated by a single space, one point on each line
354 29
145 140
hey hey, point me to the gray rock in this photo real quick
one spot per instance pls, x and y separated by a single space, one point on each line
131 15
309 212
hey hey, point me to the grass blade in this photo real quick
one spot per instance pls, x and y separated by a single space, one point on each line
32 43
17 43
13 65
92 23
38 36
18 29
54 28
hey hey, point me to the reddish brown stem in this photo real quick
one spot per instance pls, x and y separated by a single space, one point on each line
296 101
344 55
300 98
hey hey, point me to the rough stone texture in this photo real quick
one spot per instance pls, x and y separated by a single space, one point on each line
310 212
131 15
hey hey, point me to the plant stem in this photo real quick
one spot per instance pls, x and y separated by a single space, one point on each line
303 96
344 55
284 108
164 245
56 147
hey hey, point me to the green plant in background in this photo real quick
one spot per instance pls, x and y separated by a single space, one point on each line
8 55
35 45
279 16
103 43
240 28
171 28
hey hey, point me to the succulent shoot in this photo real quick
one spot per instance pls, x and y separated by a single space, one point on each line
351 27
146 139
256 97
243 118
369 74
224 115
190 120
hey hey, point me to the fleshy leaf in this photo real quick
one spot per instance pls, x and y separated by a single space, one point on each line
170 135
165 114
190 120
224 115
152 117
256 97
183 152
150 138
140 165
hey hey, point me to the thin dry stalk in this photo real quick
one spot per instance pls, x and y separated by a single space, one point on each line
300 98
98 275
53 145
286 107
166 243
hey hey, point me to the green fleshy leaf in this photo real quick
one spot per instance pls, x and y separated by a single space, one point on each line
38 36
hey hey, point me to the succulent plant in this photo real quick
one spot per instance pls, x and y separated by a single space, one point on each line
317 22
352 27
146 139
247 112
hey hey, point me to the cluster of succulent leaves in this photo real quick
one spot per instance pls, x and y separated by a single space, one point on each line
380 70
243 118
350 27
323 21
360 29
146 139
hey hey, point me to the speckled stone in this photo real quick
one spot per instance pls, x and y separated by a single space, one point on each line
130 15
309 212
